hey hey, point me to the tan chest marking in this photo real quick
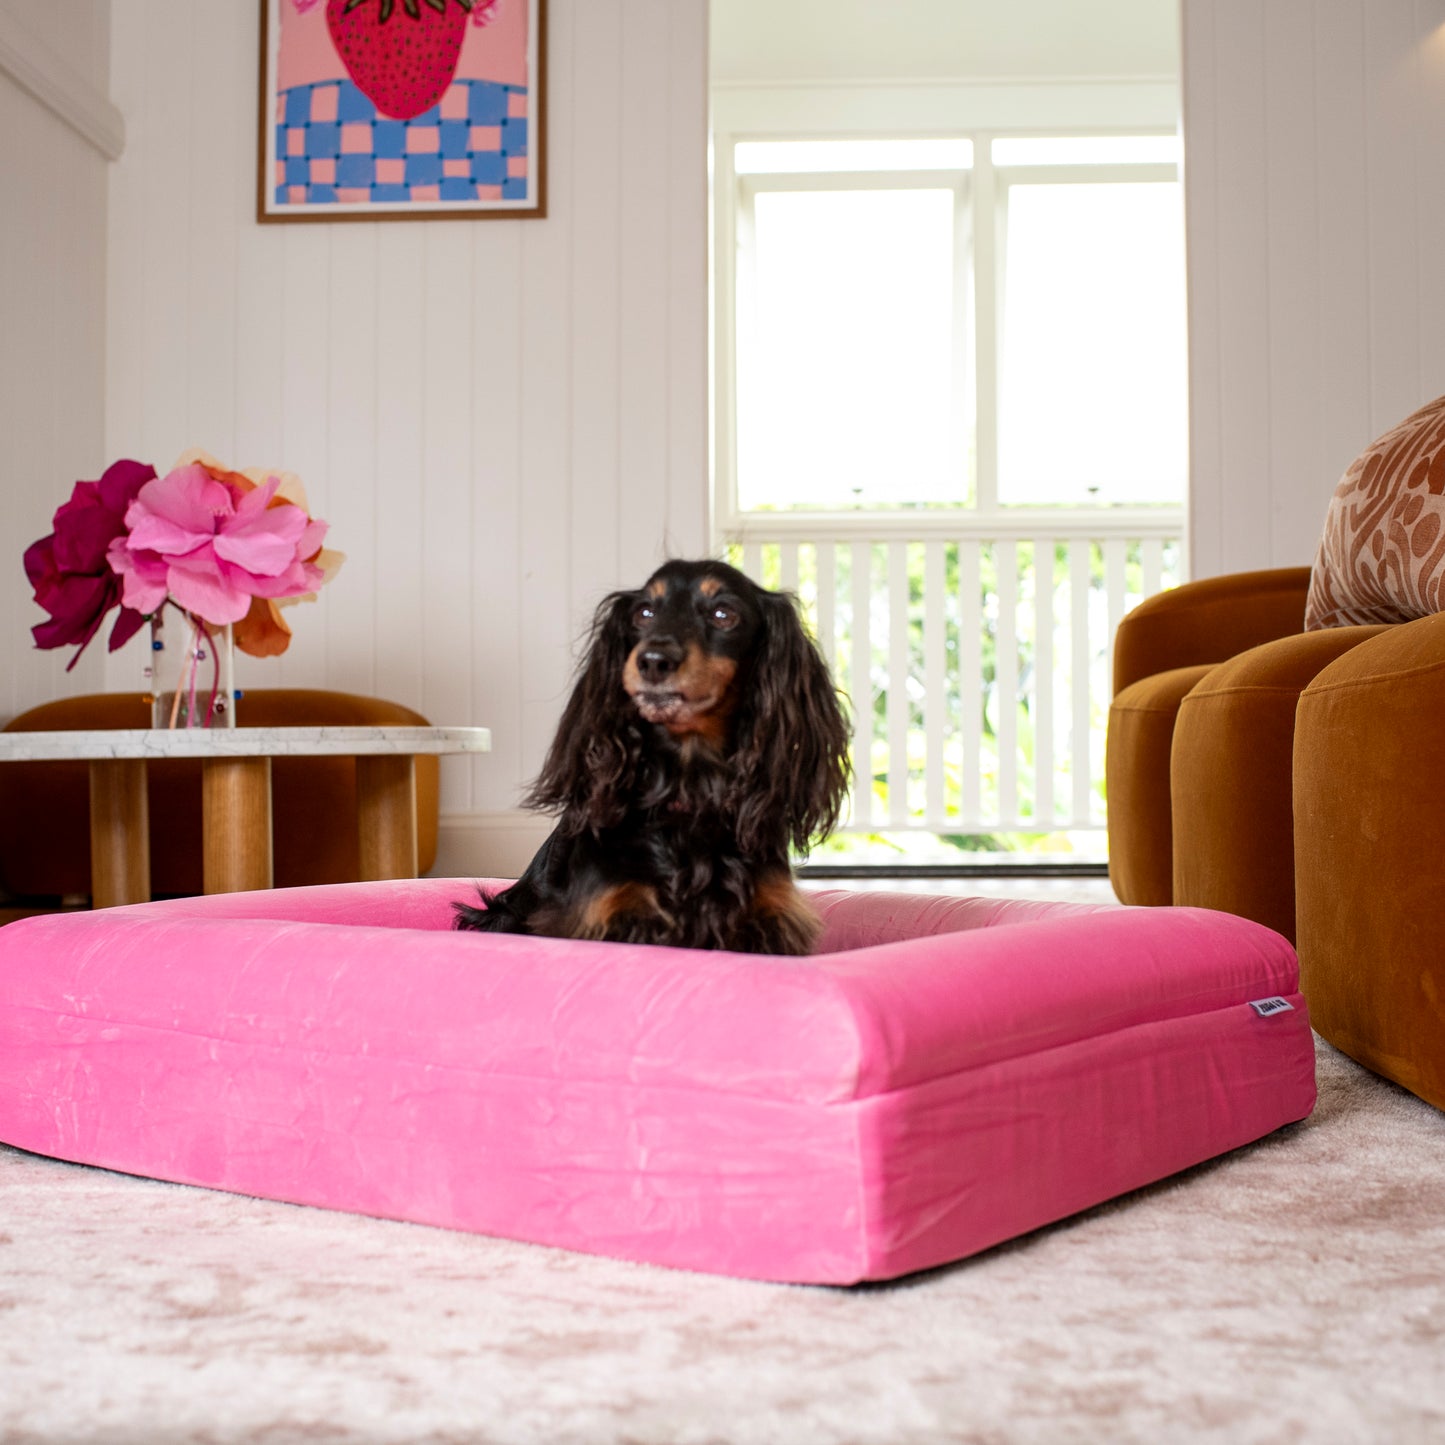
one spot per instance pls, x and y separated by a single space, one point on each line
600 912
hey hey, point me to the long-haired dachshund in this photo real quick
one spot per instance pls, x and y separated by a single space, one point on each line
702 739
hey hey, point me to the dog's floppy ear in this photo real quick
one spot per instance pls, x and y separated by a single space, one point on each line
791 760
588 769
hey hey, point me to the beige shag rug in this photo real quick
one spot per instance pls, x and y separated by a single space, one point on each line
1293 1291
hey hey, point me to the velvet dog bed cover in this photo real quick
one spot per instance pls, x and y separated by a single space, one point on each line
943 1075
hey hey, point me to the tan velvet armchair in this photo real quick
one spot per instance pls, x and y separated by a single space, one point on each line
1201 741
1294 776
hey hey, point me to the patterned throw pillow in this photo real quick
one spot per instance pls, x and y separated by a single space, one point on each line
1382 556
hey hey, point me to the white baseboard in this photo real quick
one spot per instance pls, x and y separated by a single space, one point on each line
488 845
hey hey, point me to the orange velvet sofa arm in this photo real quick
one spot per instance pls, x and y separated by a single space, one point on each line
1208 621
1369 832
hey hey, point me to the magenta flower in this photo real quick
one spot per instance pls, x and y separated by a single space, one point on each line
69 570
212 546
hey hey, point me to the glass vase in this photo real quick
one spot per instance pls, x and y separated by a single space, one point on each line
188 672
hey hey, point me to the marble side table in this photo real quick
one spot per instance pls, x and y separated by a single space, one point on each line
236 795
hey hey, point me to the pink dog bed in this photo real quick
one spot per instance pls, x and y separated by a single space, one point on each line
945 1075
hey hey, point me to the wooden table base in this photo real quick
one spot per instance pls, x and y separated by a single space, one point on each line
386 816
236 795
120 853
236 824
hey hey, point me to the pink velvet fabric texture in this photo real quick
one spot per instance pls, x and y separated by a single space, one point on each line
944 1075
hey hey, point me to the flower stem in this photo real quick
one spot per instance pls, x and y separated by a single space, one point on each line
193 666
175 700
215 652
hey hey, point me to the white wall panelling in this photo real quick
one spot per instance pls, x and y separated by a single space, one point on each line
1315 197
502 420
52 308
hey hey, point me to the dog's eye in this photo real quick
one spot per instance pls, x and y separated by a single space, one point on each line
643 614
723 617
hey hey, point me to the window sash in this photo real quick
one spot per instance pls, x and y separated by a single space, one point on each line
961 401
1009 183
980 247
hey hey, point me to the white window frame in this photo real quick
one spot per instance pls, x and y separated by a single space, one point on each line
981 113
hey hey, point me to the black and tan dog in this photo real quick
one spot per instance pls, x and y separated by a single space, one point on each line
702 741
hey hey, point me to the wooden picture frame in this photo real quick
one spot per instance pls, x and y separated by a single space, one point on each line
347 134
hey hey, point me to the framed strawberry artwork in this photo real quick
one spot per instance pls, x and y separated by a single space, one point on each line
401 109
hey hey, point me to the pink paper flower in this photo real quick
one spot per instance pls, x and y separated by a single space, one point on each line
69 570
228 547
212 546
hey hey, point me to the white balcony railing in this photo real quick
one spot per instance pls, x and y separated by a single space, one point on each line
974 651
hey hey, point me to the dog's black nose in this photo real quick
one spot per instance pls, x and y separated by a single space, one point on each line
658 661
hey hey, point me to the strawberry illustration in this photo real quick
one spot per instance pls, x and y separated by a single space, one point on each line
402 56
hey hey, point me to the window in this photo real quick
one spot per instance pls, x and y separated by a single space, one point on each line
1092 383
986 321
950 418
852 299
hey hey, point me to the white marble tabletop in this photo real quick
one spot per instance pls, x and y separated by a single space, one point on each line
101 743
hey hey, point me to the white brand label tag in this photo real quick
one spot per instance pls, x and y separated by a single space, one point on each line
1265 1007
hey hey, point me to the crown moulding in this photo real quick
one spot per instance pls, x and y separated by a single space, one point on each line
38 71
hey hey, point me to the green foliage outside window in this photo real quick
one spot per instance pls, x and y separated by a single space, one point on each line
983 695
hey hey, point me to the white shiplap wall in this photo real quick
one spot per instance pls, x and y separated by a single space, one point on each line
502 420
52 306
1315 191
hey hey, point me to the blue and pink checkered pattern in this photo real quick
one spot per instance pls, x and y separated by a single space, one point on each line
333 146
